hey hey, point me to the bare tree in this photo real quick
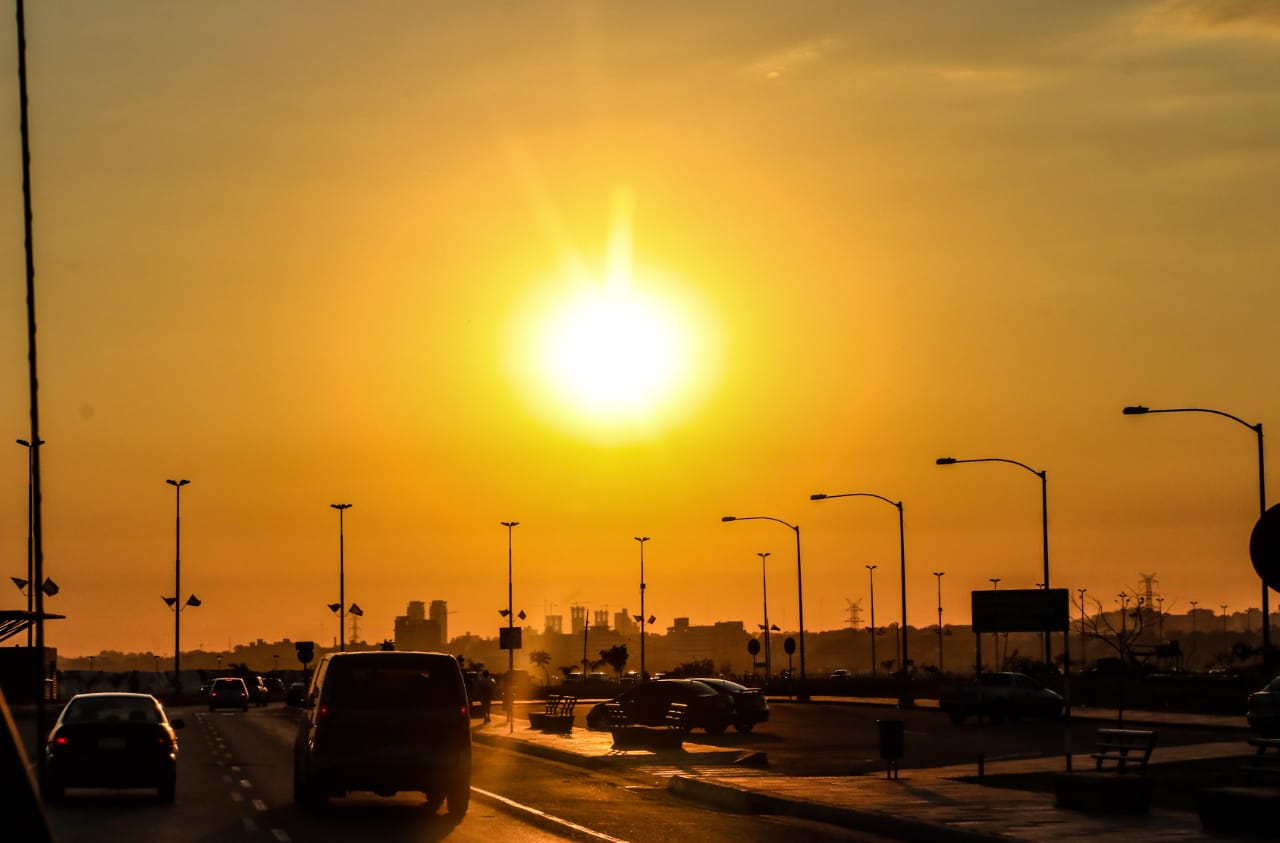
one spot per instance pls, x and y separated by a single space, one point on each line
1119 629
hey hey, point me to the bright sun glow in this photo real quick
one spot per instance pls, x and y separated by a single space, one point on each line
612 357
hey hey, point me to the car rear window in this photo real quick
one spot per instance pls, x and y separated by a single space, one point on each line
393 687
113 709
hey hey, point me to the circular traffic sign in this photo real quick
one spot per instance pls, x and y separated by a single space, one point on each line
753 646
1264 547
789 645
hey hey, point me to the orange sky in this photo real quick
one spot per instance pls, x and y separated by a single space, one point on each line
303 253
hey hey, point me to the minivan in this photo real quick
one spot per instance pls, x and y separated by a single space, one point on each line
385 722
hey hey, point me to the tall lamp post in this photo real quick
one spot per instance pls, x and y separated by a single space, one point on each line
764 595
803 693
871 575
1224 618
644 675
1139 410
939 574
1044 518
177 582
995 586
511 621
31 556
1081 592
342 579
902 566
1193 616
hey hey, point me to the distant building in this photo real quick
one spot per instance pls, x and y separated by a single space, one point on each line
624 623
415 631
554 625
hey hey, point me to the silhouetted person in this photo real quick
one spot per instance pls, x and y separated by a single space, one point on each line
484 692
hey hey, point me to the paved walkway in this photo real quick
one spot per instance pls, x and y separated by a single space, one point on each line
938 804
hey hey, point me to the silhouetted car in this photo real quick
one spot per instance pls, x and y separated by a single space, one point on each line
1263 712
646 704
1000 696
296 695
228 692
385 721
258 690
112 740
749 705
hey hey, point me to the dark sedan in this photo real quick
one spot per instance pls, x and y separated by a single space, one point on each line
749 705
228 692
1263 711
646 704
112 740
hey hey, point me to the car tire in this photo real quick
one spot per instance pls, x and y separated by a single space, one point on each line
167 790
459 798
53 791
743 727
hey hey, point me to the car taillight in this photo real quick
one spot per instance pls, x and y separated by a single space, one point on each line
61 740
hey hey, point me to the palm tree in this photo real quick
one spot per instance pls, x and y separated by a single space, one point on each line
541 658
615 657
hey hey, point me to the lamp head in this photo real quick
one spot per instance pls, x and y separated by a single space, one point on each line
510 524
340 506
335 607
178 483
1136 410
642 539
945 461
729 518
818 497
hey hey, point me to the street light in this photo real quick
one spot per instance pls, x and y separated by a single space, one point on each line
1081 592
511 622
939 574
1139 410
871 575
995 586
1224 618
641 540
1044 518
342 579
902 565
803 693
1193 616
177 582
764 595
31 555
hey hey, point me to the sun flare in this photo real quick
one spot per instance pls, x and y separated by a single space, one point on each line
616 352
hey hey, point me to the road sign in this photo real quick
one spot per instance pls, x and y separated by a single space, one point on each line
789 645
1021 610
306 651
753 646
1264 547
510 637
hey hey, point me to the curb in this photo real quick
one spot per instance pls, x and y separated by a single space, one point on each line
739 800
548 753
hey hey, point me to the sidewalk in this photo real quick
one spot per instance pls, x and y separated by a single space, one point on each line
939 804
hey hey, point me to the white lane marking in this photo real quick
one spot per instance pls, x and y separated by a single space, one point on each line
259 805
246 784
237 797
278 833
543 815
235 768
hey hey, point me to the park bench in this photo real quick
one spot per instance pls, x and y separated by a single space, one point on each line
1247 809
669 735
1107 791
1123 747
556 714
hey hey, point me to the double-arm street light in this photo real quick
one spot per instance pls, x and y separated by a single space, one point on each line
764 595
342 579
803 693
1139 410
902 567
643 674
1044 518
939 574
177 582
511 622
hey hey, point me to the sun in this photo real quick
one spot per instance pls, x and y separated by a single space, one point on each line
618 352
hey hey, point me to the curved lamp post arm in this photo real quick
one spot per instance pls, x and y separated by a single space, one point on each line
803 695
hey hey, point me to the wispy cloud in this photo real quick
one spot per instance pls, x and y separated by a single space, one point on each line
794 59
1216 18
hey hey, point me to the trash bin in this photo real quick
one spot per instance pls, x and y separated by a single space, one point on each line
890 739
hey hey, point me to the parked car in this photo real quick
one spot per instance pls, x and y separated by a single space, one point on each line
749 705
646 704
385 721
840 674
1000 696
1263 712
228 692
112 740
258 690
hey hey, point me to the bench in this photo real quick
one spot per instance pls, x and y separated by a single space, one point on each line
1096 791
1123 747
556 714
670 735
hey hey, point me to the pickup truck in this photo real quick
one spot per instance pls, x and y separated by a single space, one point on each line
1004 696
